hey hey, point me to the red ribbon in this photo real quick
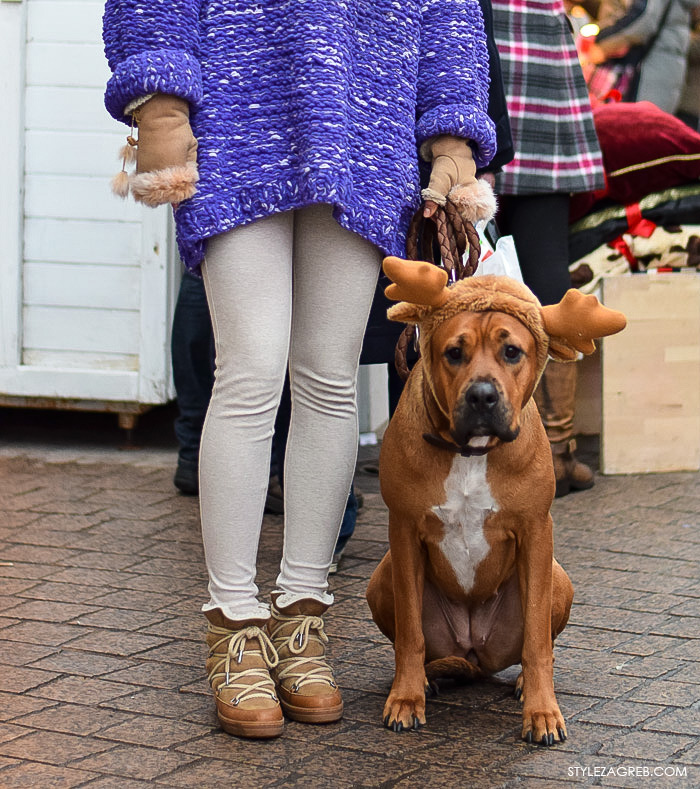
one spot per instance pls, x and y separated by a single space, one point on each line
637 225
620 245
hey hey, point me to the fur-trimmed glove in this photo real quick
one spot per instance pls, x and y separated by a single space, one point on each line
165 153
453 177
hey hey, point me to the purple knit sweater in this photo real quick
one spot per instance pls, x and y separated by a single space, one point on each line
296 102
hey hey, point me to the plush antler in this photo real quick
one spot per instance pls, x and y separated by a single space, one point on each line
415 281
579 319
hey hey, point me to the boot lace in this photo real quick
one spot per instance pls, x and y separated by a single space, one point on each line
302 670
248 683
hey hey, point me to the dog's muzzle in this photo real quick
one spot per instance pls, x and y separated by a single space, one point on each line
483 411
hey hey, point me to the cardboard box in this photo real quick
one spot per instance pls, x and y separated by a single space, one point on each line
650 375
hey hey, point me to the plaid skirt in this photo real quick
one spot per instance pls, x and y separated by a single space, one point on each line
556 147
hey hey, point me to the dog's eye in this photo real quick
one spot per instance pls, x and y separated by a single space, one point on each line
454 354
512 353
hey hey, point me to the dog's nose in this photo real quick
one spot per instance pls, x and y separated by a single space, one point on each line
482 396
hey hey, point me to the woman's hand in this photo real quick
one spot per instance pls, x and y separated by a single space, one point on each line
453 177
166 152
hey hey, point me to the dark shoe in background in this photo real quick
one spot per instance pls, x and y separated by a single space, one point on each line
186 478
274 501
556 398
570 473
347 528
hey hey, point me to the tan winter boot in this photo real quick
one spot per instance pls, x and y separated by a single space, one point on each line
305 684
555 397
240 658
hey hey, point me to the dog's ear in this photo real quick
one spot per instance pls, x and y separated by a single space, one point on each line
415 281
578 320
561 351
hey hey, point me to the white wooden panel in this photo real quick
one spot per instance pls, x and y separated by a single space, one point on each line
53 20
373 399
82 245
74 360
73 153
80 65
72 329
76 109
107 385
158 271
12 19
64 285
78 241
63 197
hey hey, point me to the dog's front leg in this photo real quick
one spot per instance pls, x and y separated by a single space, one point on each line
542 719
405 706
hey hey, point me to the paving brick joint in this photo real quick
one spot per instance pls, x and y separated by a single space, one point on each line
102 655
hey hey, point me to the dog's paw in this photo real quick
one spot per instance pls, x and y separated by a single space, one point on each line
543 727
432 689
402 714
518 689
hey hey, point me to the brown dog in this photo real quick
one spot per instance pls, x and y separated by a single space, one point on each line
470 585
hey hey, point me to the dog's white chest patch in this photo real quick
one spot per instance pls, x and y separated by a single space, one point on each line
468 501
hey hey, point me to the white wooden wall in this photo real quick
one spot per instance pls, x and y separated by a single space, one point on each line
86 307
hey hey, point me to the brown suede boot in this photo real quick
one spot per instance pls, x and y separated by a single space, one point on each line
305 684
240 658
555 397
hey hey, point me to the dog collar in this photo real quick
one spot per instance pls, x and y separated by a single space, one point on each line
465 451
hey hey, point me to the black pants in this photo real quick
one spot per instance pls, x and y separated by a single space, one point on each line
539 225
193 365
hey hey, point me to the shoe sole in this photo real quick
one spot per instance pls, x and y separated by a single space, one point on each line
306 715
251 730
274 506
564 487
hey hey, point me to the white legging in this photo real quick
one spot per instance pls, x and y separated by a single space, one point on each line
294 287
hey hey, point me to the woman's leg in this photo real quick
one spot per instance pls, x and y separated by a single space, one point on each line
335 273
248 278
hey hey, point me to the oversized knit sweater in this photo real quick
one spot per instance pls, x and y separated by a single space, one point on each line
296 102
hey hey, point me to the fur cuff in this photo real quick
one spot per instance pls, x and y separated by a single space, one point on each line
172 185
476 201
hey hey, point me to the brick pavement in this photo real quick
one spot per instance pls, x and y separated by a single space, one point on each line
101 647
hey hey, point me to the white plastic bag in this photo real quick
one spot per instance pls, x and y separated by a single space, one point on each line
503 260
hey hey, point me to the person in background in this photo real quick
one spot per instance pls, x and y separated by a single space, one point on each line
287 134
689 104
661 29
556 154
192 356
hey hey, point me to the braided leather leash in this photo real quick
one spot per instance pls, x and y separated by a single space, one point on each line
442 239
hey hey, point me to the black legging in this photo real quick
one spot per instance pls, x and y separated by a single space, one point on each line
539 225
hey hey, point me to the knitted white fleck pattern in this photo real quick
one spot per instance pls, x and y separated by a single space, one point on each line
306 101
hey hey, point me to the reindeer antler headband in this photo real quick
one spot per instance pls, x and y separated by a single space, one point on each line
560 329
